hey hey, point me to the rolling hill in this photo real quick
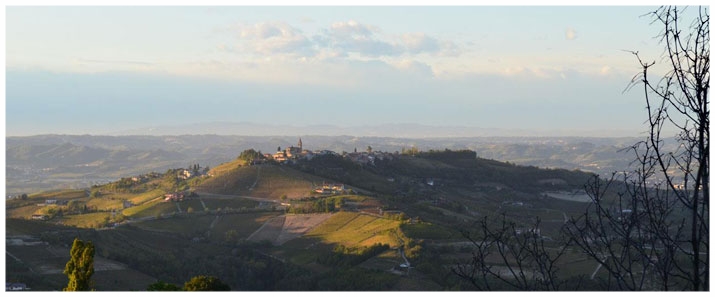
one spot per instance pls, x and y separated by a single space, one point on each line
44 162
412 207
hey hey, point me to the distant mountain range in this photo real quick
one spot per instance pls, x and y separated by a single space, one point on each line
384 130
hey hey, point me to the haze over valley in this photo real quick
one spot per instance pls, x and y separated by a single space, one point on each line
78 161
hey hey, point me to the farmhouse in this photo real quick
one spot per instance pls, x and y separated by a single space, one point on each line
40 217
330 189
176 196
280 156
185 174
15 287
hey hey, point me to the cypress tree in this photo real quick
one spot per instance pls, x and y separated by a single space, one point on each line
80 267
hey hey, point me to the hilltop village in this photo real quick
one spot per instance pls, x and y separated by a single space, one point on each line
295 153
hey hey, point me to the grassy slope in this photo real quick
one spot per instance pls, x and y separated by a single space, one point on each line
150 209
267 181
88 220
354 229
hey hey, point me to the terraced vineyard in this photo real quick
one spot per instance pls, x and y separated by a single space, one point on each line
356 229
266 181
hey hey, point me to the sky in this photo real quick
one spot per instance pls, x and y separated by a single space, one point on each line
99 70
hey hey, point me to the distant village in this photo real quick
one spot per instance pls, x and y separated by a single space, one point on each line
288 155
295 153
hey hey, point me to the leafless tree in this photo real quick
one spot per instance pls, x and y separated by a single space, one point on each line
652 231
511 256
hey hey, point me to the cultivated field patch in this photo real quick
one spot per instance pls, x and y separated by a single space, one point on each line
269 231
355 229
297 225
281 229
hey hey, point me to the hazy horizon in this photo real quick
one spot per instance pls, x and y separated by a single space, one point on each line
389 130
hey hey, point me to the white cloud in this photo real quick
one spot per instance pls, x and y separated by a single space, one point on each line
353 37
420 42
414 68
347 40
449 49
276 38
352 29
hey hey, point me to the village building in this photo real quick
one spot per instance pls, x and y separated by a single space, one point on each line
185 174
330 189
16 287
280 157
291 153
40 217
176 196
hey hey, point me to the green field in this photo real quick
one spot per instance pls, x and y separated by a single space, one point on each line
275 181
227 167
146 197
150 209
24 212
243 224
236 203
352 229
183 225
336 222
267 181
88 220
60 194
105 203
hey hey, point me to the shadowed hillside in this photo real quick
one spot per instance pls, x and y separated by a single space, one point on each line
265 181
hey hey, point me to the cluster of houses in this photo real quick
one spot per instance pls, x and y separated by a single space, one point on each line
294 153
145 177
16 287
40 217
291 154
187 174
178 196
53 202
330 189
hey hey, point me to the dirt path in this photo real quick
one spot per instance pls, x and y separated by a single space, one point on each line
213 223
258 176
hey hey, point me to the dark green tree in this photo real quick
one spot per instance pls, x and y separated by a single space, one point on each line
80 267
95 193
162 286
250 155
205 283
